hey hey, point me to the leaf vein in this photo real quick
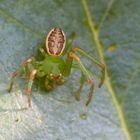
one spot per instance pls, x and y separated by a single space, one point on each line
105 14
100 50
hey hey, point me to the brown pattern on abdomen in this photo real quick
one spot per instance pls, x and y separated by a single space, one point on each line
56 41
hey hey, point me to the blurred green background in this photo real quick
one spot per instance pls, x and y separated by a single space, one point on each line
109 31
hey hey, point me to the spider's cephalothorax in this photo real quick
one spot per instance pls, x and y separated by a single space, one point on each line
55 42
54 67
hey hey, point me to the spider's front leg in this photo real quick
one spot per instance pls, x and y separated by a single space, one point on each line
100 65
72 56
18 71
86 73
78 92
28 90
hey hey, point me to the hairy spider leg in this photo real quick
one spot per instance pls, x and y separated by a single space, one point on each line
18 71
28 90
100 65
72 56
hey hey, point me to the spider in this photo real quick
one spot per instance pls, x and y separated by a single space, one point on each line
55 67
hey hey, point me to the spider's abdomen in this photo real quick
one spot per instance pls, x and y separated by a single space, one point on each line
55 42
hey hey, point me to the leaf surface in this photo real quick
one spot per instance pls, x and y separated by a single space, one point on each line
109 31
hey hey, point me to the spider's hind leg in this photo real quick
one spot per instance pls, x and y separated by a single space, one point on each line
69 43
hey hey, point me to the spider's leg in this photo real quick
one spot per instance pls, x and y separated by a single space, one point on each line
42 52
18 71
72 56
100 65
28 90
86 73
69 42
82 80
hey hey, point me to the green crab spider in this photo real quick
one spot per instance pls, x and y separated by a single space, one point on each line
54 67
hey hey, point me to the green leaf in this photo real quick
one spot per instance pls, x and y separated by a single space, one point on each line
106 29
